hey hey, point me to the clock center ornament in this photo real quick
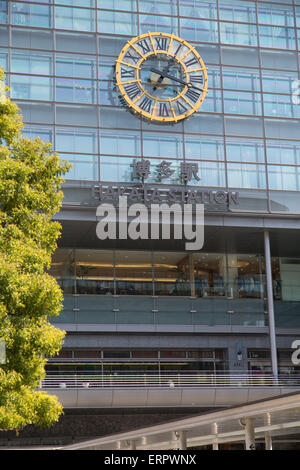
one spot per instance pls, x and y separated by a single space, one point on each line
161 77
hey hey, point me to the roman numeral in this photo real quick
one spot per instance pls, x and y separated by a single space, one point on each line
197 79
144 45
181 108
190 62
146 104
161 44
132 90
135 58
193 95
163 110
178 49
127 73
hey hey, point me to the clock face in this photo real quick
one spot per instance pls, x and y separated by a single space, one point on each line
161 77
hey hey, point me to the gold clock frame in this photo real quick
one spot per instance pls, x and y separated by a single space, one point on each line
137 79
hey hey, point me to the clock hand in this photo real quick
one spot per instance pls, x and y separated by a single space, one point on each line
165 70
166 75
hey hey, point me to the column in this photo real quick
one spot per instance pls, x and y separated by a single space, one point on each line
249 434
269 282
181 440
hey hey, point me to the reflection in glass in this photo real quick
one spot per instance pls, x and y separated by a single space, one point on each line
94 272
171 274
133 273
63 269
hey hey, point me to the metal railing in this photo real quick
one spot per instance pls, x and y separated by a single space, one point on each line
168 381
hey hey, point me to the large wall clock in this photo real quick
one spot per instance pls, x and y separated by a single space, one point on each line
161 77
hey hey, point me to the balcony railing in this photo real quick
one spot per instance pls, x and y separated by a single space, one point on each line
168 381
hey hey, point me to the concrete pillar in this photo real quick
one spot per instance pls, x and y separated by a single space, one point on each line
132 445
268 438
269 282
268 441
249 434
182 440
215 443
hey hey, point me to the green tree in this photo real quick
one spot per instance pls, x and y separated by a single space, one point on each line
30 195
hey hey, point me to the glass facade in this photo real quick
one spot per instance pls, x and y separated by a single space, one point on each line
60 55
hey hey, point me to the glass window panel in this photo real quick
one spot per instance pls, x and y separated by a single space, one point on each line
276 15
252 127
282 129
4 36
286 178
77 115
278 82
76 140
205 123
44 133
198 9
160 145
284 152
75 90
232 10
118 118
37 112
199 30
172 354
240 56
117 22
212 102
75 66
129 5
244 276
85 167
241 150
246 176
133 273
241 79
95 272
108 95
204 148
209 275
164 24
76 43
148 353
124 143
4 60
76 3
116 169
31 88
287 276
281 38
235 33
209 53
32 38
280 105
31 15
32 63
211 174
297 15
3 11
79 19
214 78
160 7
242 103
62 268
106 68
277 60
171 274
